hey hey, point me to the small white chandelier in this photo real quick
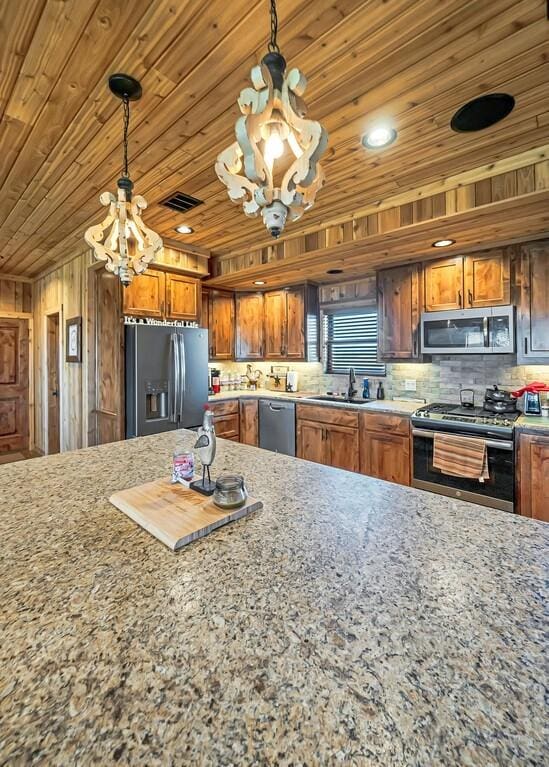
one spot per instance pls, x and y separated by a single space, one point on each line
273 117
122 240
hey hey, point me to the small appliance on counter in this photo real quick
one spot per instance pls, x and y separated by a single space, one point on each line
532 402
292 381
253 377
467 398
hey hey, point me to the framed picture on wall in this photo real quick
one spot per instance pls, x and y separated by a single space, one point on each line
73 340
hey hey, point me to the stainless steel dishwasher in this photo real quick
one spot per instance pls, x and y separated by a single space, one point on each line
277 426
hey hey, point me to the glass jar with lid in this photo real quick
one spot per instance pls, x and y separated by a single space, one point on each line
230 491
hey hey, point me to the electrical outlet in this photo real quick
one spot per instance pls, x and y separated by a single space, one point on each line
410 384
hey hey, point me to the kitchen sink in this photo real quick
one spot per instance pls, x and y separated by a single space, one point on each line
335 398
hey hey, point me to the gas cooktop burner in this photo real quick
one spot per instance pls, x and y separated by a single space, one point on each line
449 417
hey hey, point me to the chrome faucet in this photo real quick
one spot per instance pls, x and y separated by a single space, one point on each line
351 391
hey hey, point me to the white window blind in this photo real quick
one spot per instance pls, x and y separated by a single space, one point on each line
350 341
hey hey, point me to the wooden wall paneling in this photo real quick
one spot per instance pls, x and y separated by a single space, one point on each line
504 186
541 174
526 181
15 296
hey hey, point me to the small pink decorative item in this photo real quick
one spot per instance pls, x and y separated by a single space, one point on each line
183 467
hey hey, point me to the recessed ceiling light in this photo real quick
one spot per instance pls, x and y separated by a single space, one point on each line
334 271
184 229
482 112
378 137
443 243
259 282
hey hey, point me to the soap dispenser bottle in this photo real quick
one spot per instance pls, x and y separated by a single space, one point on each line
380 393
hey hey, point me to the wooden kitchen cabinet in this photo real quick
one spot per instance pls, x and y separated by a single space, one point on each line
292 324
162 295
249 422
226 418
385 451
533 476
328 435
443 284
399 309
221 325
468 282
182 297
249 326
145 296
275 324
533 312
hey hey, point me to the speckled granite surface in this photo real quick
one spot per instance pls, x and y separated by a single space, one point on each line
533 425
400 407
350 622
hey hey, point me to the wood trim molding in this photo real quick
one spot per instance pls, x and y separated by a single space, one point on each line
517 219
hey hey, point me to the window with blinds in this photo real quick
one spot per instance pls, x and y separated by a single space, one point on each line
350 341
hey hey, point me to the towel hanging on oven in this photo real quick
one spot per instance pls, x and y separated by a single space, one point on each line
461 456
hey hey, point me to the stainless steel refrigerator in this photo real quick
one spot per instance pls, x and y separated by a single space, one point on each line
166 378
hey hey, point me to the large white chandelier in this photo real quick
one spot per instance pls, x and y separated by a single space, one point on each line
122 240
273 120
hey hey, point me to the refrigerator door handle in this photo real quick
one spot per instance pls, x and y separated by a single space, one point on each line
182 369
174 376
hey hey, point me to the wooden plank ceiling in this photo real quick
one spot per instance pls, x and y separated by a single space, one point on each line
414 61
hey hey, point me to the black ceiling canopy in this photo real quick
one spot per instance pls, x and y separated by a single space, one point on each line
482 112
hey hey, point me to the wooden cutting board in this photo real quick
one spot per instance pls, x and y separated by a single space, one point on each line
174 514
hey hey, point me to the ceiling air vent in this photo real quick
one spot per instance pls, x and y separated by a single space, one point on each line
181 202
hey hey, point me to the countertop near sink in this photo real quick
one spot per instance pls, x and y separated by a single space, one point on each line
351 622
401 407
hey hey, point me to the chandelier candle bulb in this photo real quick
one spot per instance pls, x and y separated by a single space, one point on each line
273 125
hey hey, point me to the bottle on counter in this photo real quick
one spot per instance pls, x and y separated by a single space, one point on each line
216 383
365 388
380 394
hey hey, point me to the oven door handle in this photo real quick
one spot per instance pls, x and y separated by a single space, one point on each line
503 445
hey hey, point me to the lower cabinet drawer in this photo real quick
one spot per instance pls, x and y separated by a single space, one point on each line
227 426
329 415
386 423
226 407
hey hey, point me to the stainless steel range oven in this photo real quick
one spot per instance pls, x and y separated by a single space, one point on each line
498 491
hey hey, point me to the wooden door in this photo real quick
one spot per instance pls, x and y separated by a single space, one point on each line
487 279
533 337
534 476
182 297
146 295
275 324
249 421
444 284
295 324
52 353
249 326
385 456
310 441
399 296
14 385
342 448
105 359
221 326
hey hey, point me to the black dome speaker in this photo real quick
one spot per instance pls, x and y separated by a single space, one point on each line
482 112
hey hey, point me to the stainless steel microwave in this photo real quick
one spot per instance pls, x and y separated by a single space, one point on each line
469 331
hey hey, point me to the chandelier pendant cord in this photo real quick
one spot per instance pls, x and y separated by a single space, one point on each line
126 105
273 45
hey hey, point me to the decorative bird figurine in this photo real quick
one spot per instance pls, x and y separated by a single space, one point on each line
205 447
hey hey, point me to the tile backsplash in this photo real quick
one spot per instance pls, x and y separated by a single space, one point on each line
436 381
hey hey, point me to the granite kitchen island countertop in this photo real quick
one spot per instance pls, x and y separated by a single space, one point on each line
350 622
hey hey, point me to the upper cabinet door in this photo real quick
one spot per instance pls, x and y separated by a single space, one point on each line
221 326
487 279
182 297
533 336
145 296
444 284
399 301
249 326
275 324
295 324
